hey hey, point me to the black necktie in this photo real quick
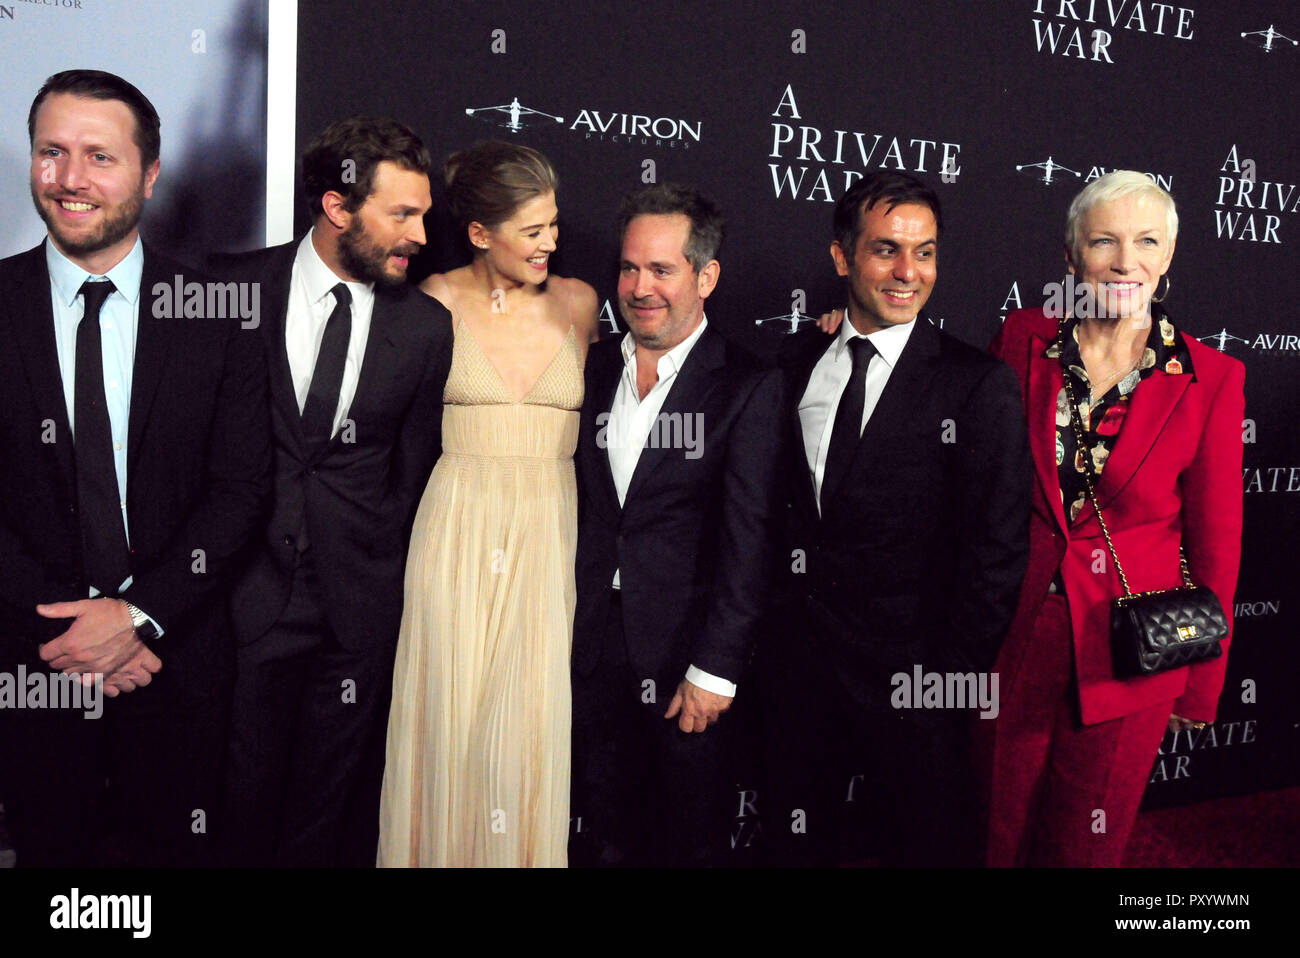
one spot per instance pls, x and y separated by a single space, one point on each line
327 378
105 552
847 429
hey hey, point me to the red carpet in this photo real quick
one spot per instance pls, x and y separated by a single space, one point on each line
1247 831
1260 831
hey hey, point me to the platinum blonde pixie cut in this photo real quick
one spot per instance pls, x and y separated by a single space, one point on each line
1113 186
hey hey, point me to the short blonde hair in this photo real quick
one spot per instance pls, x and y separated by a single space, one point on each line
1113 186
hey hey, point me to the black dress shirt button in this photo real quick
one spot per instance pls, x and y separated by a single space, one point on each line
288 540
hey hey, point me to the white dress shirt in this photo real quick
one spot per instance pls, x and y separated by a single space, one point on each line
119 320
630 420
310 305
826 384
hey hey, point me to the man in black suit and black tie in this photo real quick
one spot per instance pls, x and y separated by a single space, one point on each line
905 540
358 360
135 470
679 436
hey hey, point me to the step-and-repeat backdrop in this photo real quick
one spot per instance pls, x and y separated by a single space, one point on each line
1005 108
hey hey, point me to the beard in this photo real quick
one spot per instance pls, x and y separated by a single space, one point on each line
365 259
646 336
116 225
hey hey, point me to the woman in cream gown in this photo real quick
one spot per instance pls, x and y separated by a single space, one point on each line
477 760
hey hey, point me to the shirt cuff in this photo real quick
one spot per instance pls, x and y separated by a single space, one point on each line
710 683
152 621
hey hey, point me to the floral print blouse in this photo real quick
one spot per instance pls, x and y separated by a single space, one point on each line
1101 420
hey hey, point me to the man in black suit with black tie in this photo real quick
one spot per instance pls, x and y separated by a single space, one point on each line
358 360
135 470
905 541
679 435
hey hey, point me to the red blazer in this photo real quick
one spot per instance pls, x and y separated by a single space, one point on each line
1175 471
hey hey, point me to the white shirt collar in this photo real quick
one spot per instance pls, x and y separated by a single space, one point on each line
889 342
674 358
319 279
66 276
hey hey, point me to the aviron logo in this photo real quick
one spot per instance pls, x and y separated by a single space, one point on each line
611 125
635 128
1082 28
1267 39
1049 168
790 322
829 161
1277 342
1048 172
1257 609
512 116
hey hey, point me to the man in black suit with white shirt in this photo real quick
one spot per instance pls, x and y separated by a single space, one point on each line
679 434
358 360
904 543
135 470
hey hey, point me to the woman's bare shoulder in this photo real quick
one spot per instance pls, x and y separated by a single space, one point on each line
444 287
580 305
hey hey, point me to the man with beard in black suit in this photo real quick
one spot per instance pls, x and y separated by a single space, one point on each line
135 469
358 360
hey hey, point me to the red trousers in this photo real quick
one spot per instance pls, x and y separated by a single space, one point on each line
1056 792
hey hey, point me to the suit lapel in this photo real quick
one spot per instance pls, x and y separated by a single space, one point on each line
1150 408
1044 387
686 396
799 375
152 343
606 368
906 381
33 320
276 286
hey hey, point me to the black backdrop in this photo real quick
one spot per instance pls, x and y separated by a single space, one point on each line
745 101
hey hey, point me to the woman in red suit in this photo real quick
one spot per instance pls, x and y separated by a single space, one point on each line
1067 759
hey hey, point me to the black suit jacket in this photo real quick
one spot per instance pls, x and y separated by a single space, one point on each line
352 502
691 538
198 455
918 556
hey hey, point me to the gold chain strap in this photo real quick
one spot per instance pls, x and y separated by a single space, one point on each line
1077 423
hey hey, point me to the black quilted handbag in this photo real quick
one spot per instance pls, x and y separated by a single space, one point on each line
1153 632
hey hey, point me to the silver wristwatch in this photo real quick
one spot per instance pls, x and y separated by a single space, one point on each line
144 628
